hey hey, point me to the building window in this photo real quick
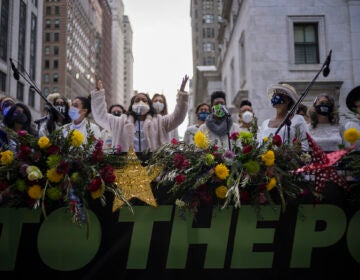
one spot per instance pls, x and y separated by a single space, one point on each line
46 91
20 91
47 64
4 28
22 36
208 47
56 64
55 77
47 37
208 18
47 50
33 35
209 60
56 37
56 50
57 10
207 5
208 32
55 89
46 78
306 43
2 82
56 23
48 10
31 97
48 23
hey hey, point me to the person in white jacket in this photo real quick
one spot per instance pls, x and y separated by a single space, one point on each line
140 128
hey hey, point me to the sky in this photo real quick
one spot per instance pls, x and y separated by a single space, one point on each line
161 47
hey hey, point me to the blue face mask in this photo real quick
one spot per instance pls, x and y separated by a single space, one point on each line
6 110
277 99
74 113
202 115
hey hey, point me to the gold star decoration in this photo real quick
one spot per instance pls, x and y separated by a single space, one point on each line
134 182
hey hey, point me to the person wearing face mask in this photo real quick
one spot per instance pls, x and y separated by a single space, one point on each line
106 135
282 98
202 111
5 104
324 125
219 125
160 106
53 120
247 119
353 105
17 118
141 128
79 111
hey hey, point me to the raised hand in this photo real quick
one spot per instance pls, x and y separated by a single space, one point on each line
98 83
183 83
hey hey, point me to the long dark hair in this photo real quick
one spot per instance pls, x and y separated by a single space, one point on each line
9 120
130 111
50 124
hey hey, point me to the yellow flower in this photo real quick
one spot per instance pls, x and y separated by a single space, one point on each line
265 139
179 203
209 159
221 171
221 192
77 138
271 184
33 173
53 176
351 135
6 157
268 158
96 194
35 192
200 140
44 142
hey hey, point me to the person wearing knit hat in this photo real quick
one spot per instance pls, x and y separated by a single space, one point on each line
5 103
282 98
219 125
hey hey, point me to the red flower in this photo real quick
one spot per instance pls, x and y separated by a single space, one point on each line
95 184
22 133
276 140
3 186
174 141
63 167
53 150
186 163
178 161
107 174
99 145
24 151
180 178
97 155
234 135
247 149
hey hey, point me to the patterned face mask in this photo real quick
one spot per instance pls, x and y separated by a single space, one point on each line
277 99
323 109
218 110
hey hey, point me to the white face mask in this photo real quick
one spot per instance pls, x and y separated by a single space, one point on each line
140 108
74 113
247 117
158 106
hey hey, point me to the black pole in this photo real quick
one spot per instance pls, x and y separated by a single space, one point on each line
325 67
33 87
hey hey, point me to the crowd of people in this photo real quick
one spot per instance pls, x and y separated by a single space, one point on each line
147 124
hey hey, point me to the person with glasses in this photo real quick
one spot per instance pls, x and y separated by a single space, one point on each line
106 135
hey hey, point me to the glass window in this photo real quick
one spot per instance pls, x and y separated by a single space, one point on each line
22 35
208 18
208 47
57 10
56 64
2 81
31 97
47 50
46 91
47 64
56 23
56 37
208 32
20 91
48 23
4 28
55 77
48 10
306 43
46 78
47 37
56 50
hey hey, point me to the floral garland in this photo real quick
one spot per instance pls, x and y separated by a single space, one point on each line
55 171
252 172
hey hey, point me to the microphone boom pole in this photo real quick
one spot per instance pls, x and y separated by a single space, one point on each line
33 86
306 91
